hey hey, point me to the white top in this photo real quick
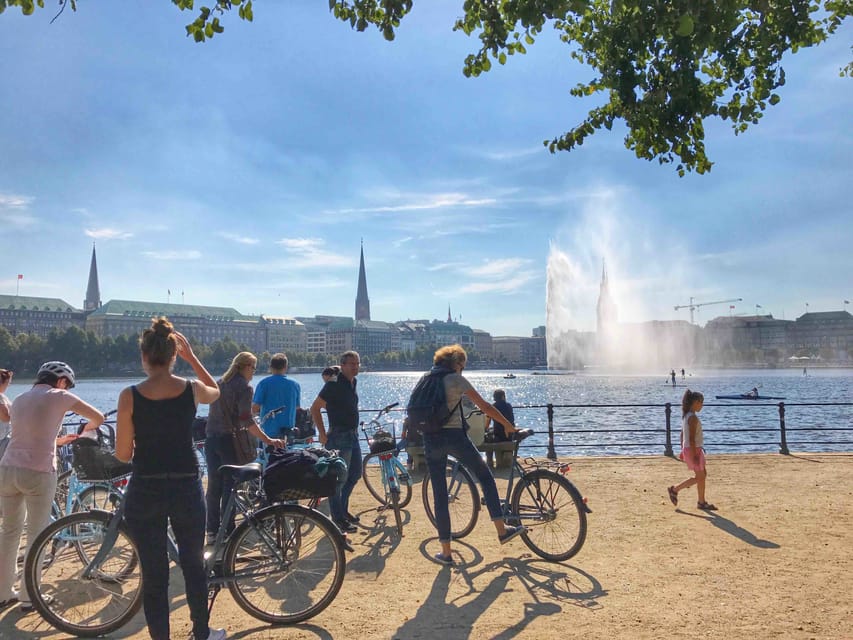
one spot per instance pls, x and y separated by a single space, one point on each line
36 419
4 426
685 431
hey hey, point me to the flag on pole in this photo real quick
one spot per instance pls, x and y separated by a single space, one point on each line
168 292
758 306
846 302
20 276
731 306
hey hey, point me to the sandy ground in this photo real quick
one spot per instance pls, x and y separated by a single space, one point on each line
774 562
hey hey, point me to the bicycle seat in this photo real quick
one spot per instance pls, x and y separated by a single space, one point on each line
521 434
241 473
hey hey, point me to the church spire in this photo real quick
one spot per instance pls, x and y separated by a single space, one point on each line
362 302
93 292
449 319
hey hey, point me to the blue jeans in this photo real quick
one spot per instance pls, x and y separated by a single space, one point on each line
455 442
150 505
218 450
347 444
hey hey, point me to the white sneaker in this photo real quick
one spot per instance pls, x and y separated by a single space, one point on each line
217 634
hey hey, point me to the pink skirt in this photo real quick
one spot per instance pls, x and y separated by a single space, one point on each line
687 456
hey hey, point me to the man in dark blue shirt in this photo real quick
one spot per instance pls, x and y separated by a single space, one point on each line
340 400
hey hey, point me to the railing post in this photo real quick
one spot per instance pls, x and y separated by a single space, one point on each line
784 441
667 451
552 454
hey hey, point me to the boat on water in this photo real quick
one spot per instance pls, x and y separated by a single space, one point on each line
509 376
748 396
552 372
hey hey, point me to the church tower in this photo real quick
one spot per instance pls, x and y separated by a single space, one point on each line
93 292
362 302
606 310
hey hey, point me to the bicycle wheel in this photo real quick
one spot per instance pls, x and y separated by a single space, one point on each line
75 601
374 480
462 497
395 504
60 498
285 563
553 511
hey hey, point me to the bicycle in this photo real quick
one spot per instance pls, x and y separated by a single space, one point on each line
384 475
77 490
282 564
544 501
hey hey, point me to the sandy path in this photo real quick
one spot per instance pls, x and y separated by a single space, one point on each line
774 562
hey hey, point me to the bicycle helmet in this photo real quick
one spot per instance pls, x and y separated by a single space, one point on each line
59 369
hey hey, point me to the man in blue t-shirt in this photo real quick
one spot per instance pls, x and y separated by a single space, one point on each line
275 392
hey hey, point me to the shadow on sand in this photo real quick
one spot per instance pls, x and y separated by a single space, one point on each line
724 524
549 586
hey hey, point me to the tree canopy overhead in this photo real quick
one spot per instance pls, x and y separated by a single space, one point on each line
662 66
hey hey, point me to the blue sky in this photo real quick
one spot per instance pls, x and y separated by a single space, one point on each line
245 171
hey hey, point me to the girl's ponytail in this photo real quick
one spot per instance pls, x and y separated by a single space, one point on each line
688 399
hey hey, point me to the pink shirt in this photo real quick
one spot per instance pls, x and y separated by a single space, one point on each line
36 419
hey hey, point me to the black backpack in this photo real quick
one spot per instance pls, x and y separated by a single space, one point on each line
427 408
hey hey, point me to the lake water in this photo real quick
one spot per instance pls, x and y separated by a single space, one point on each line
619 430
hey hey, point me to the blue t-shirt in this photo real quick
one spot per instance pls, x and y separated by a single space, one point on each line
273 392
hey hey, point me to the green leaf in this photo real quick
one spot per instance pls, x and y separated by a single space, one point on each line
774 99
502 58
685 25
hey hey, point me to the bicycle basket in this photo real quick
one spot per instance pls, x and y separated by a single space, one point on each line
379 439
91 461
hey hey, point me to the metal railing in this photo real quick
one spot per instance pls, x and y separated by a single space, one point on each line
564 435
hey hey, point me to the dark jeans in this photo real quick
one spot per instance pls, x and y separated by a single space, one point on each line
455 442
150 505
347 444
218 450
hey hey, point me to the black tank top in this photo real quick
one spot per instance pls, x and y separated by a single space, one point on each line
163 434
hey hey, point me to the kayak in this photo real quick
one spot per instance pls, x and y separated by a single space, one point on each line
746 396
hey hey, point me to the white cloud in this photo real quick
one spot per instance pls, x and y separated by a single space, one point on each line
107 233
237 238
309 252
190 254
420 202
13 201
498 268
14 211
504 285
444 266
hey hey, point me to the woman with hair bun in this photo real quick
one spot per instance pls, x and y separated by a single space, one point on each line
154 431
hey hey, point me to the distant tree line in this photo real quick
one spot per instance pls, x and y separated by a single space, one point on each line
91 356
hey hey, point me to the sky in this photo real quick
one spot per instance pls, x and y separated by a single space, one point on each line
245 172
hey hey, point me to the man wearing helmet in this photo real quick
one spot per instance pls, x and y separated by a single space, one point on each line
28 468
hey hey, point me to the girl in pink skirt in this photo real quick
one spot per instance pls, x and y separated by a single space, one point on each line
691 449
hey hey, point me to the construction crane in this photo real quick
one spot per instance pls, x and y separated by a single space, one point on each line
695 305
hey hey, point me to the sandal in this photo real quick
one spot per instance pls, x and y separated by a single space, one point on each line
706 506
673 495
9 602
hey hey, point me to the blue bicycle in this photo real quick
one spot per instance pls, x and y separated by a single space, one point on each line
384 475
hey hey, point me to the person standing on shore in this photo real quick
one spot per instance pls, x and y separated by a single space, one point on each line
691 449
340 400
154 430
273 392
28 468
672 375
453 440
